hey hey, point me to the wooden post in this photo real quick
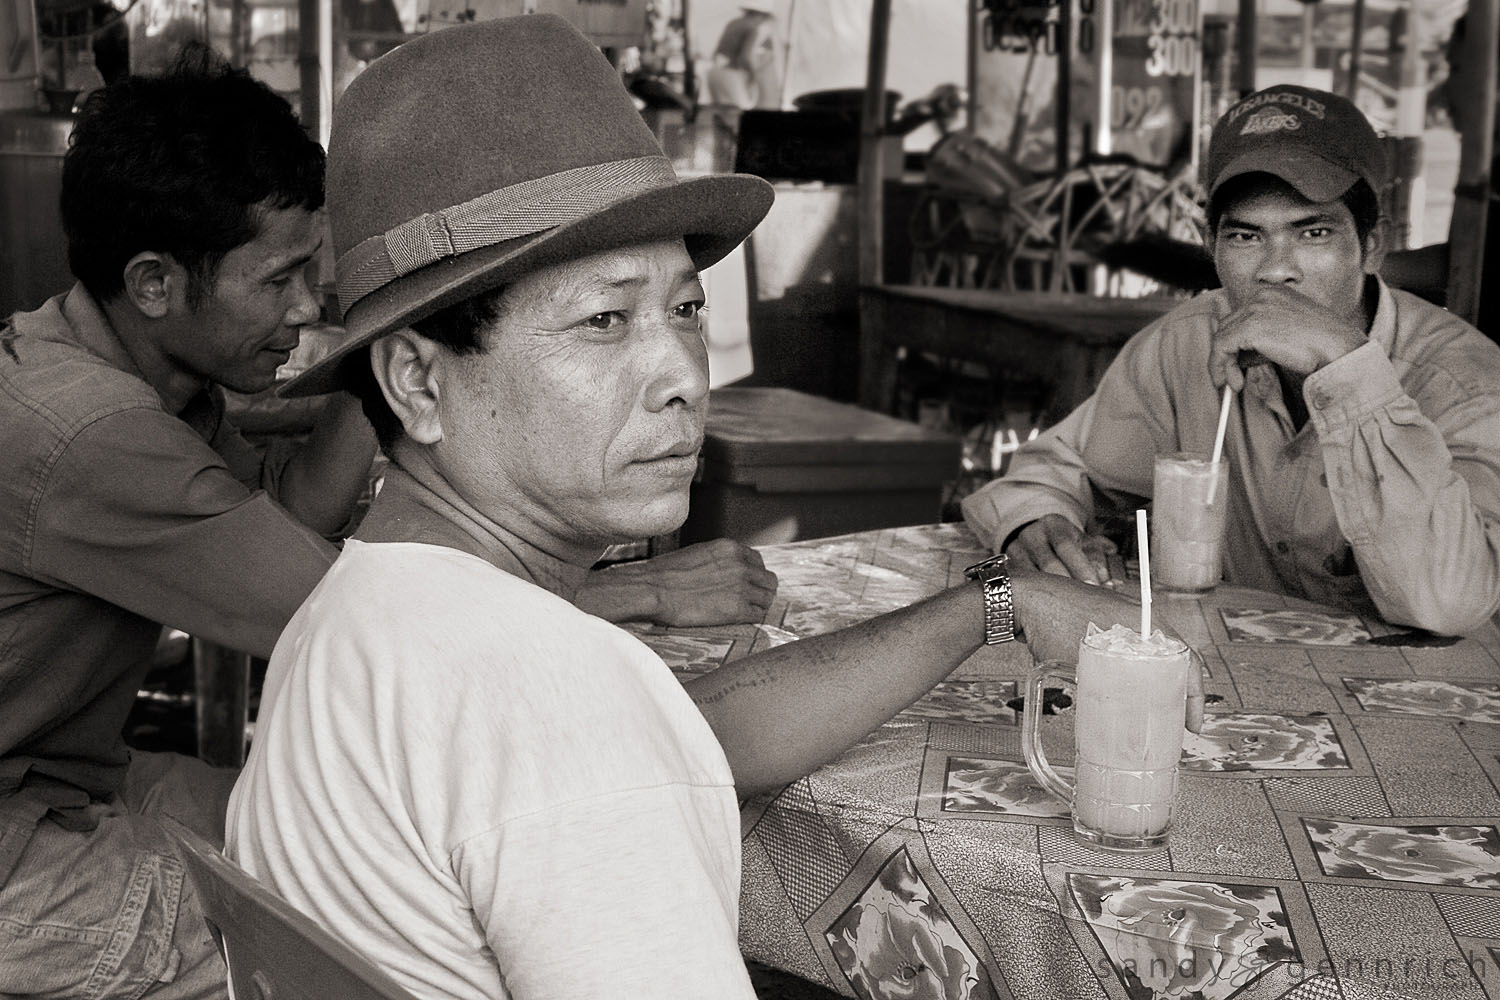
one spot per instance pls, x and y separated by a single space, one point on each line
876 371
308 25
871 196
1064 97
1356 48
221 688
1244 42
1471 196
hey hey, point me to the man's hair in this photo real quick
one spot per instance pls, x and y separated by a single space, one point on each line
183 163
459 327
1360 199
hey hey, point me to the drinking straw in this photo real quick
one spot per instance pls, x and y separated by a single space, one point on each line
1213 463
1143 542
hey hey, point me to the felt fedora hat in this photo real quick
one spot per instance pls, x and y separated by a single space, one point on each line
473 155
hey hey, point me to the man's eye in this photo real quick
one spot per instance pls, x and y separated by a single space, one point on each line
1240 237
1317 233
281 281
605 320
689 310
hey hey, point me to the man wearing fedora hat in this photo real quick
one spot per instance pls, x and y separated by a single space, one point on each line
1363 439
128 499
488 792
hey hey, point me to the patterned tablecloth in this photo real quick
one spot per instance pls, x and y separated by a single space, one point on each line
1337 830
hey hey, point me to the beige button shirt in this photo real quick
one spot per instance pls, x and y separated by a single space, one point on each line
1389 495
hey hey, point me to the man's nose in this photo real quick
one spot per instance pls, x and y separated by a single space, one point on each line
1278 264
678 368
304 308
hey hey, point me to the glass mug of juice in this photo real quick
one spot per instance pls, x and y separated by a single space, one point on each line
1127 733
1187 530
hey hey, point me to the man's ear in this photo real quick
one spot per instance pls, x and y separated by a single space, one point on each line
1377 242
153 281
405 365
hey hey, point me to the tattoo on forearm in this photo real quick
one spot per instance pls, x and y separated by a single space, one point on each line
729 687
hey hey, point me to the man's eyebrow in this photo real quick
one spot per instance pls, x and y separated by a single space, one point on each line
1316 219
684 276
279 264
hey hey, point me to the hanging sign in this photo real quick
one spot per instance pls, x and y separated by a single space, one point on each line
1151 86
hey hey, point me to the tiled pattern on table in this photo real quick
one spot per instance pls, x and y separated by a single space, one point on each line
1471 916
1351 796
914 839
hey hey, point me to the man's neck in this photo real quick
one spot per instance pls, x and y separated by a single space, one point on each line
420 506
176 386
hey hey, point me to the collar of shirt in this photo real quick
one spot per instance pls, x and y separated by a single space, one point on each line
89 328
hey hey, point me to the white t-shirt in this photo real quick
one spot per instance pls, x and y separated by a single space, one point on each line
489 792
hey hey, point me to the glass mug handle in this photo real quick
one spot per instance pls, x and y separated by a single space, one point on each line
1031 726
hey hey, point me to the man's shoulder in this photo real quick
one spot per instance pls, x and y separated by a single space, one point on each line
1430 339
48 380
442 587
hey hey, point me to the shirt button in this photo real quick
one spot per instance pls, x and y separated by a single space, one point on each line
1283 548
1320 399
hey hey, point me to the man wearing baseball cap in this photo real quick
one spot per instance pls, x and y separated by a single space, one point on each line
1364 434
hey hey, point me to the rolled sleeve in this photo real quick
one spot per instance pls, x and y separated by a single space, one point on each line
1417 494
139 511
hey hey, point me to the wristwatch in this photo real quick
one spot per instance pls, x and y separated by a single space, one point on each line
999 613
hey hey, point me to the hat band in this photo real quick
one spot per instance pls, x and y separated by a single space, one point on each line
518 210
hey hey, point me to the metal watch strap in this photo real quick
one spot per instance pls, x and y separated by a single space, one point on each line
999 612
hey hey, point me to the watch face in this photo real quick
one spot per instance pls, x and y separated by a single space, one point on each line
987 567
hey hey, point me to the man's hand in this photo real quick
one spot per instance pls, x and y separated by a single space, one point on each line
711 583
1054 614
1284 327
1053 544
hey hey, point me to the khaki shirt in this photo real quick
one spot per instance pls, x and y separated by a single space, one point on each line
117 517
1389 495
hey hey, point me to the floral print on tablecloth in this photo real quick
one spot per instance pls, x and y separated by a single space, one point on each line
1246 741
896 943
1177 940
1471 701
981 701
976 785
1433 855
1293 626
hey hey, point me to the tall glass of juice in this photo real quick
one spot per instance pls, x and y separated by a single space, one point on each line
1127 732
1187 522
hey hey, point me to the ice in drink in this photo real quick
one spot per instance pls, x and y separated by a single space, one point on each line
1132 701
1187 532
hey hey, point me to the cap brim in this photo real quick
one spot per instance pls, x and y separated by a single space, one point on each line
1313 177
712 214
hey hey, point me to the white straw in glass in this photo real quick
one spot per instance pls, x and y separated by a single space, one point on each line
1213 463
1143 542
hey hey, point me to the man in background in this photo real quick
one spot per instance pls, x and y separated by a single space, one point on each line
744 74
1364 437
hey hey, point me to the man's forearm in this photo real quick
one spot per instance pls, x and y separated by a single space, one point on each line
1428 553
785 711
322 482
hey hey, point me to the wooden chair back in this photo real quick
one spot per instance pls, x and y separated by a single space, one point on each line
274 951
